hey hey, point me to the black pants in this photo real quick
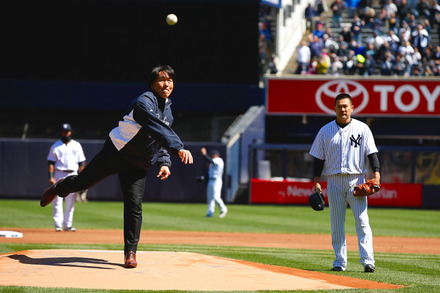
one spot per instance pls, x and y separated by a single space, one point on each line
132 179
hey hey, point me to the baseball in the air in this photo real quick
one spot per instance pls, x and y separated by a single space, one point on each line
171 19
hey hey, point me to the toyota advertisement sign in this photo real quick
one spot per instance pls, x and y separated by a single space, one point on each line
371 97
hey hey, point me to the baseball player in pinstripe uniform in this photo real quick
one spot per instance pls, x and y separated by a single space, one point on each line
341 149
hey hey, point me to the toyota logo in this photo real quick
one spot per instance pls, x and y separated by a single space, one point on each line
326 93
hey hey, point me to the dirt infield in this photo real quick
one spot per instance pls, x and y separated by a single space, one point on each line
181 270
300 241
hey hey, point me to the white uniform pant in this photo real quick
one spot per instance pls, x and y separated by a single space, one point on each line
340 192
214 191
63 219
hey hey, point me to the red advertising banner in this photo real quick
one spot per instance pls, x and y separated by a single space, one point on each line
372 97
294 192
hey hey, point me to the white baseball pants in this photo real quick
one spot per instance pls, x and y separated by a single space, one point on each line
63 219
214 196
340 192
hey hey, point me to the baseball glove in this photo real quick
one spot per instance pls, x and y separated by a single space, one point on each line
317 201
366 189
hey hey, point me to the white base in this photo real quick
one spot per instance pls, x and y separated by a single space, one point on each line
11 234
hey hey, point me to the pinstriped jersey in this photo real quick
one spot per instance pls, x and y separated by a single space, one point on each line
344 150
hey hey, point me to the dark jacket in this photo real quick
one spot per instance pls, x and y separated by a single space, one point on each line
144 135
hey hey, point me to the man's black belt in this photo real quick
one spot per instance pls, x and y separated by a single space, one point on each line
67 171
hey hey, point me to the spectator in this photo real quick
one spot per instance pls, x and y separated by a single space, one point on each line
320 7
356 29
319 30
387 64
342 50
303 60
352 6
341 41
370 51
313 67
309 15
404 32
316 46
346 34
370 64
403 11
392 40
337 7
417 67
262 49
435 10
428 28
368 16
359 49
349 65
412 22
407 51
323 62
336 65
436 55
329 43
413 6
424 9
377 40
420 39
392 23
267 32
390 8
399 67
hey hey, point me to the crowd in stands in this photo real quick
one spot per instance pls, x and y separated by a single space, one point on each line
266 42
393 38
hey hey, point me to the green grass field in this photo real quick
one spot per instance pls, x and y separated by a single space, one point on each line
420 273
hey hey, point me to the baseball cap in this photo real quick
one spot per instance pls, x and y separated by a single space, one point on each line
66 126
215 152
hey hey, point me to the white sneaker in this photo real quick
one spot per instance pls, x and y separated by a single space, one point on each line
71 229
222 214
58 229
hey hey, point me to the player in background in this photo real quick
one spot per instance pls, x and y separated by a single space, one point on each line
341 149
215 183
66 157
142 137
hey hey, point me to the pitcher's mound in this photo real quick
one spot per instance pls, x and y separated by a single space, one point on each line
161 271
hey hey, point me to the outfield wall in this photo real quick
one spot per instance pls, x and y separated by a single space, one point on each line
24 173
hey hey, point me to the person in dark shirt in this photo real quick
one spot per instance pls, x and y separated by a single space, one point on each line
143 137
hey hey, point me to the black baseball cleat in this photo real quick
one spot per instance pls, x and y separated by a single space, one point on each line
49 195
337 269
369 268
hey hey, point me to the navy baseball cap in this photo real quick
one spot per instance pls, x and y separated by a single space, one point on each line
215 152
66 126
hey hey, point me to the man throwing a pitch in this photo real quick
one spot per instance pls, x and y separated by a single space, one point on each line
341 149
142 137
